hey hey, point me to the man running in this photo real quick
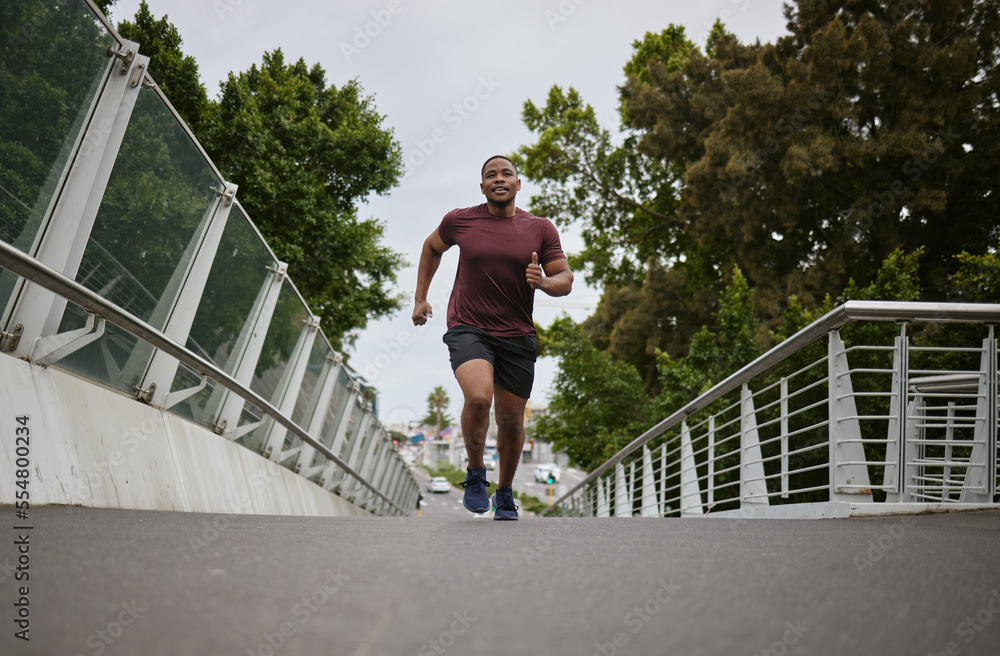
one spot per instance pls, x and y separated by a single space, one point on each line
505 254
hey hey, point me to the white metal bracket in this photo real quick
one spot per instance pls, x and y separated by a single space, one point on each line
173 398
53 348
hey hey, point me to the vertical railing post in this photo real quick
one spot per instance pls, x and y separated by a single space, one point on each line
711 462
663 480
179 308
287 392
783 391
898 467
603 510
318 406
847 465
225 405
980 475
690 500
753 487
650 501
993 435
623 496
60 242
949 451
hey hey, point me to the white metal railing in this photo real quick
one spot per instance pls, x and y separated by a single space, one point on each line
127 258
812 429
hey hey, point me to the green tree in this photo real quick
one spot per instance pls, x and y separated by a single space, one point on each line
437 405
872 126
599 404
978 277
659 286
174 72
714 354
305 156
625 202
105 6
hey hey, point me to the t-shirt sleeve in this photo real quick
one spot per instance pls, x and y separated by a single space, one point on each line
551 247
446 230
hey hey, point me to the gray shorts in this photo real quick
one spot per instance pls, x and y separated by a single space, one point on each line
513 358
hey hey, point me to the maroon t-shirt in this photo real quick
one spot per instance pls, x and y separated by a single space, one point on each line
490 290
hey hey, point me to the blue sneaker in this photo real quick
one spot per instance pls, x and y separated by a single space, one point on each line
476 500
504 507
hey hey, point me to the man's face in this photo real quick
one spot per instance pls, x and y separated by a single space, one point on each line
500 182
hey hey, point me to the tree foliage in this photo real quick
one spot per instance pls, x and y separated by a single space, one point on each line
174 72
599 404
305 155
872 126
750 185
437 406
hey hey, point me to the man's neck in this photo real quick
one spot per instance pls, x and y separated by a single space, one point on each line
504 211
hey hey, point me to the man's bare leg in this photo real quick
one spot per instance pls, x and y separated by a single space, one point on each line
475 377
510 433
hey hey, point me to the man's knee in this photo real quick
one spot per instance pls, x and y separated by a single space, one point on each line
509 419
478 403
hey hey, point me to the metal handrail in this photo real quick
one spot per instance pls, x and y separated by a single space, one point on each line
30 269
897 311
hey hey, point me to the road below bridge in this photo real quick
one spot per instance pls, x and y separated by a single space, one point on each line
107 582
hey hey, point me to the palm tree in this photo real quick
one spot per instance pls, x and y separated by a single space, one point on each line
437 403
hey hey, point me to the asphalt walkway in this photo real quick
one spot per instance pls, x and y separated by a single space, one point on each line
107 582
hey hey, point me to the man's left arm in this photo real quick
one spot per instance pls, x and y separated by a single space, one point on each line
557 279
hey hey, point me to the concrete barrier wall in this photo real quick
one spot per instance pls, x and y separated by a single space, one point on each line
95 447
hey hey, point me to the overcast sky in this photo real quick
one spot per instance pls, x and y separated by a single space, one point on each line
458 71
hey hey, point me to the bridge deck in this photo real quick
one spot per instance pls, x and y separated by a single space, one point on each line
130 582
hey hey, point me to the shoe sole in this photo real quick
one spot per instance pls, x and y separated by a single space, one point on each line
478 512
501 518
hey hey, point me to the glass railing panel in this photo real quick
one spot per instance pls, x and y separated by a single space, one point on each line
318 359
235 284
337 407
338 404
283 334
319 356
159 199
53 62
287 324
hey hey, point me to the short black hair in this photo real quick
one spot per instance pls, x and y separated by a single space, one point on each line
503 157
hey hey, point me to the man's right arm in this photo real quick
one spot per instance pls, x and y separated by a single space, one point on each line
430 259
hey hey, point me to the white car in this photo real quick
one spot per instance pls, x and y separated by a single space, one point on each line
439 484
547 473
